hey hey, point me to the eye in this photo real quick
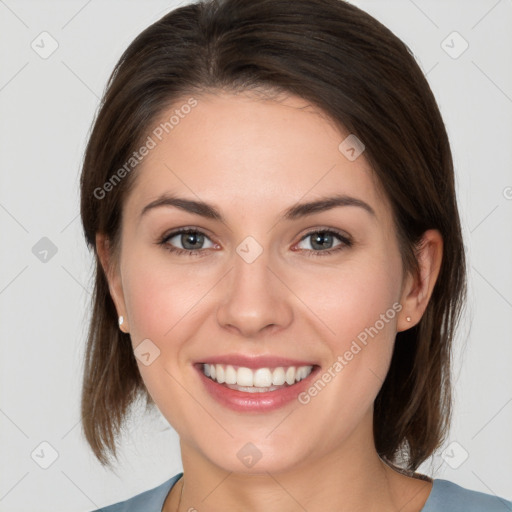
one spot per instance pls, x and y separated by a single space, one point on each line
191 241
324 239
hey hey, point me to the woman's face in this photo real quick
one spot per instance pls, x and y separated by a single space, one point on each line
260 282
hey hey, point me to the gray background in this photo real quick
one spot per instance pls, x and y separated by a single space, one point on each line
46 109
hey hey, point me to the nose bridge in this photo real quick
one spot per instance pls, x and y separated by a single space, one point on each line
253 298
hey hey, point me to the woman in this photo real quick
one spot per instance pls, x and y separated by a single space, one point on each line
269 192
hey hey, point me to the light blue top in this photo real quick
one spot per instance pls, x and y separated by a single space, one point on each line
445 496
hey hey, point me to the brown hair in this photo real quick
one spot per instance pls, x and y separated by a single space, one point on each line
357 71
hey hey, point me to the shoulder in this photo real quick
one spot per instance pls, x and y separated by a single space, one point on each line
149 501
446 496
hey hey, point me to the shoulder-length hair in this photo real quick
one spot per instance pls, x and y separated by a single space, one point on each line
357 71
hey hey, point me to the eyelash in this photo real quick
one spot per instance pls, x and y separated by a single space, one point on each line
346 242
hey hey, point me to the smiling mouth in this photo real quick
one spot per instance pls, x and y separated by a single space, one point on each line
258 380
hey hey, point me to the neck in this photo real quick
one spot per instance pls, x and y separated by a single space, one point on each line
352 477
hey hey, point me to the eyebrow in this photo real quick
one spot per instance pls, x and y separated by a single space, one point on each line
295 212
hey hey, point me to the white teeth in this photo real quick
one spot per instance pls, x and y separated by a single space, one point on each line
278 376
244 376
253 389
263 378
230 375
220 374
301 373
290 375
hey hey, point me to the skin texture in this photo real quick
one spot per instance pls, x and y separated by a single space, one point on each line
253 158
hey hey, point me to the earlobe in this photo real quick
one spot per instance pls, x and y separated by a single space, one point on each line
418 290
113 278
121 324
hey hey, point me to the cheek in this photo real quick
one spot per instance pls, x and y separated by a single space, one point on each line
358 305
158 299
161 306
163 303
349 299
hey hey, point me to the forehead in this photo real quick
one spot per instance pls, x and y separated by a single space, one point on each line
247 152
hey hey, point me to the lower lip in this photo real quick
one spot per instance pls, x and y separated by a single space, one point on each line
241 401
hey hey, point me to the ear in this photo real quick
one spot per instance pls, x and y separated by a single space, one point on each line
113 275
417 289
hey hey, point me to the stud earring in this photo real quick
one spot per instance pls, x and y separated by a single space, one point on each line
121 320
407 318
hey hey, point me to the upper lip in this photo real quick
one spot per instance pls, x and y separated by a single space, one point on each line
266 361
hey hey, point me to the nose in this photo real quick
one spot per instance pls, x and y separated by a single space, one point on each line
254 298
